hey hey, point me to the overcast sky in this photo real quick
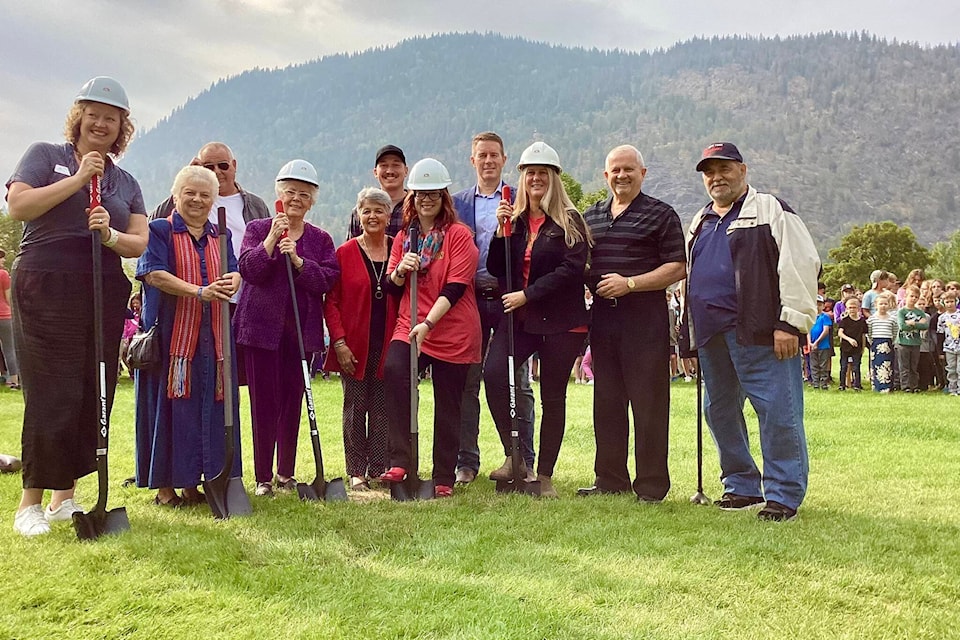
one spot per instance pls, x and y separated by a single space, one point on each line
166 51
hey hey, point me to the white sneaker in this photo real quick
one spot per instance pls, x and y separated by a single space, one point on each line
30 521
64 512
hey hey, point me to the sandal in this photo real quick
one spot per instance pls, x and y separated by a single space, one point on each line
359 483
192 497
290 484
394 474
173 503
13 386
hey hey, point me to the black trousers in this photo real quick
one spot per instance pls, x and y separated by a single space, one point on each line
448 381
557 355
630 343
54 336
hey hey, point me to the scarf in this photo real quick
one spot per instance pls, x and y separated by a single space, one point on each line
428 247
186 321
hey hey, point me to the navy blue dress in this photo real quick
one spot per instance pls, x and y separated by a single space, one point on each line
179 441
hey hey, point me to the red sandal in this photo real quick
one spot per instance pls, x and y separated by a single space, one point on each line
394 474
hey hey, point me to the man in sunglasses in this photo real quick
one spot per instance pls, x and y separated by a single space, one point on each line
241 206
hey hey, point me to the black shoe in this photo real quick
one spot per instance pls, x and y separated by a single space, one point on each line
648 499
596 491
776 512
734 502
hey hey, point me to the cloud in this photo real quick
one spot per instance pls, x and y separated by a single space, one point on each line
166 51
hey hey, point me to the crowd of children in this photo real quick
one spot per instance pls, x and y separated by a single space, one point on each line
910 332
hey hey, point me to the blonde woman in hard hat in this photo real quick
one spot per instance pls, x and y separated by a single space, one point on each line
446 327
548 255
264 323
49 192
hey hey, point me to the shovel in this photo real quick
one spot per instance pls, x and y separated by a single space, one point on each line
225 495
92 525
319 489
412 487
699 497
518 484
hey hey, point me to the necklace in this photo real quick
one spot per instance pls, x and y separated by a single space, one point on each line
378 294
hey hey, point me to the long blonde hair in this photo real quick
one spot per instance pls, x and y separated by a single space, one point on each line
557 205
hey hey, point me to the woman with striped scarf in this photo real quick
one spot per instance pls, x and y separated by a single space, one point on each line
180 402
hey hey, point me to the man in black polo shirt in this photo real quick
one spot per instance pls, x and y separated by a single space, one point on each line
638 251
390 170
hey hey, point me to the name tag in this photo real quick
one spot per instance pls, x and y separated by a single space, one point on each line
61 170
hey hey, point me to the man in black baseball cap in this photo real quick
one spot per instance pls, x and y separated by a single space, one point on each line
390 170
720 151
751 297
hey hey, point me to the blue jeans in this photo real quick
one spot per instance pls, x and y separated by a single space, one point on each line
732 373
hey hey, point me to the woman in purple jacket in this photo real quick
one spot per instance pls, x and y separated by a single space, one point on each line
265 325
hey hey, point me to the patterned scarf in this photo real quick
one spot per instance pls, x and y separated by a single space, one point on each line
428 247
186 322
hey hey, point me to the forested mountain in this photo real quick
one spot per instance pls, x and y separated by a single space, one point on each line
848 128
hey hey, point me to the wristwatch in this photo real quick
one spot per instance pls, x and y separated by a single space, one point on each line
631 284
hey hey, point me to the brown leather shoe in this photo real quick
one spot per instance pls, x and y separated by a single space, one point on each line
546 487
505 472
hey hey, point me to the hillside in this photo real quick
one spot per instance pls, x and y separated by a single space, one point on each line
848 128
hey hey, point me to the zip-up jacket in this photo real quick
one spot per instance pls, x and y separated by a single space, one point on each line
776 267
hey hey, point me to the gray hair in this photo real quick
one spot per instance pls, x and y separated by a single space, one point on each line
628 147
374 194
194 173
280 185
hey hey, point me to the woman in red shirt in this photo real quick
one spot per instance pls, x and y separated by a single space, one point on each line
548 256
447 325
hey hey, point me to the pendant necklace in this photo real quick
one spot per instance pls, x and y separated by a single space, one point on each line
378 294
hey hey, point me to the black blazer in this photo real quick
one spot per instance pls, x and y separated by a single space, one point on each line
555 289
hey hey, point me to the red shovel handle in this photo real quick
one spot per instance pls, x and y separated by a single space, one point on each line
278 205
94 192
507 224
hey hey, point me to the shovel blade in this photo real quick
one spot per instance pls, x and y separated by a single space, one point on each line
227 497
426 490
531 488
90 526
399 492
333 491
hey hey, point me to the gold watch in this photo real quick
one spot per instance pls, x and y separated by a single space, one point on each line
631 284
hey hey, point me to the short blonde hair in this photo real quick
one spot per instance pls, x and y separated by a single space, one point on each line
71 128
195 173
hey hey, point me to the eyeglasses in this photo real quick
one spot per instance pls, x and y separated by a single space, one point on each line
427 195
223 166
303 195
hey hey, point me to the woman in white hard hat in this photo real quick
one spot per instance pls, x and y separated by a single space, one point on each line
264 322
180 416
446 328
49 192
548 255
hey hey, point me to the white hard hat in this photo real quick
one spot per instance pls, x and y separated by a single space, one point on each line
428 174
104 90
299 170
540 153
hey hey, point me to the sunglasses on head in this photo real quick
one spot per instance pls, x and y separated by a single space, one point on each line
223 166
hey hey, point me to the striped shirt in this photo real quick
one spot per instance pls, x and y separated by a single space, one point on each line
885 327
648 234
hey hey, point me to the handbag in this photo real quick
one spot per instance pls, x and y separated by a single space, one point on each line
143 353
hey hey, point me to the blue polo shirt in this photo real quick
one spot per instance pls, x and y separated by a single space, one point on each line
712 290
485 212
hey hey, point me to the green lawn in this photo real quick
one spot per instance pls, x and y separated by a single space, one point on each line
875 552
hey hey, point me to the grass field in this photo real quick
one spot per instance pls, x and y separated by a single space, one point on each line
874 553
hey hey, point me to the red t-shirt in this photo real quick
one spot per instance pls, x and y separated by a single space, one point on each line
5 313
533 231
456 337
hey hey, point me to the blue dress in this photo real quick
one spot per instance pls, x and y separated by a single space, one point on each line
179 441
